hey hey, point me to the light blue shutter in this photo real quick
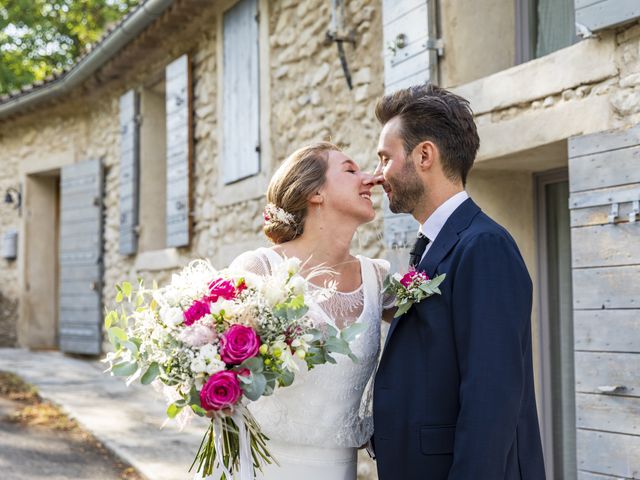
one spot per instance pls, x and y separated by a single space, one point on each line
240 92
410 58
599 14
80 258
129 171
410 44
604 178
179 149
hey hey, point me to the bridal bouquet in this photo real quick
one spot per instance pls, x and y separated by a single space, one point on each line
218 340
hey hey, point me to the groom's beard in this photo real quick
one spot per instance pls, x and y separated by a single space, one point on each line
406 191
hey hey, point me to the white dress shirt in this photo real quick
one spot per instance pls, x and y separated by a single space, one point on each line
432 226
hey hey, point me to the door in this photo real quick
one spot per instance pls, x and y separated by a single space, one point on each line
556 325
80 258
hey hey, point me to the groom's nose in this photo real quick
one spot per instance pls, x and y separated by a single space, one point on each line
373 179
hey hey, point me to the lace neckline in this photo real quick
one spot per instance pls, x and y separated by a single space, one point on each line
273 256
339 292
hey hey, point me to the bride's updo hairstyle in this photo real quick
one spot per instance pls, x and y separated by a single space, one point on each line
299 177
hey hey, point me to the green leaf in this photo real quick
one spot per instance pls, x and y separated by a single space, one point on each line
198 410
111 317
131 346
352 331
337 345
126 289
173 410
255 364
150 375
354 358
330 330
403 308
330 359
286 378
125 369
119 297
116 336
254 390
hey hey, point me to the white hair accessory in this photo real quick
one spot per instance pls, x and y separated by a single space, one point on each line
273 212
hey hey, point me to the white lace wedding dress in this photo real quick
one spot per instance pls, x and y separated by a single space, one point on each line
316 424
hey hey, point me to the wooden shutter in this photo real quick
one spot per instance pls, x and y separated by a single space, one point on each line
129 171
410 58
80 258
599 14
604 175
179 151
410 44
240 92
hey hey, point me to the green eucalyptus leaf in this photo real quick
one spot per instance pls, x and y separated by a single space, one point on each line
337 345
124 369
352 331
254 390
331 330
402 309
286 378
255 364
150 375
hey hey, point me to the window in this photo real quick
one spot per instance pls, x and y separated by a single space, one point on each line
244 153
241 92
153 168
542 27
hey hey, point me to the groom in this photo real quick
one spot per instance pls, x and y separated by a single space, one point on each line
454 393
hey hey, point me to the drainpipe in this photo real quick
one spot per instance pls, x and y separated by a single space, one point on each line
88 65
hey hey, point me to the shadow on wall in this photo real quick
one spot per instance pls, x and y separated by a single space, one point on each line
8 316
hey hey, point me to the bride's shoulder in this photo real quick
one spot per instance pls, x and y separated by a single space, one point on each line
380 264
256 261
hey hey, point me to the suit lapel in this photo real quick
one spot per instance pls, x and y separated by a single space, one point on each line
443 244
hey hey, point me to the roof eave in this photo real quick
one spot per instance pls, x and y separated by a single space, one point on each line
88 65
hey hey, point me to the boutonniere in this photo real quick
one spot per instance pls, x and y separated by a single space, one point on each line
412 287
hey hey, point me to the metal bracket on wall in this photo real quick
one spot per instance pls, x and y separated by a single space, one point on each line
635 211
613 214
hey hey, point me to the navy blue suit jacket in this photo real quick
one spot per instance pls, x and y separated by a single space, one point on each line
454 393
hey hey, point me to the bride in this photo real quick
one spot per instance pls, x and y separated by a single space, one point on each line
316 201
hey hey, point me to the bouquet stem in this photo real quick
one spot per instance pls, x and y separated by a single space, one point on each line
221 447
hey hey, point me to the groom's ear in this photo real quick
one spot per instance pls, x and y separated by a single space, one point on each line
426 153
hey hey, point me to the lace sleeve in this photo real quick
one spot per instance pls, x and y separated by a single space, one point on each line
252 261
382 268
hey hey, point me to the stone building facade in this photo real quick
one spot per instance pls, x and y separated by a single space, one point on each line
558 166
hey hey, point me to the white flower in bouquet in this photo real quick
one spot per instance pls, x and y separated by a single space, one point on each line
171 316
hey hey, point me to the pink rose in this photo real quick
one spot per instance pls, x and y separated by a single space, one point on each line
412 276
196 311
238 344
221 390
221 289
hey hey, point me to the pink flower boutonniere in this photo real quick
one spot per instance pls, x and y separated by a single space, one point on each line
412 287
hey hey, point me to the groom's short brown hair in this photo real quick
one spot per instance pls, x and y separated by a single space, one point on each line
432 113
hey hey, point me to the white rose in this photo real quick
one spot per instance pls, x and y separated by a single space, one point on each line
297 284
293 265
198 365
171 316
